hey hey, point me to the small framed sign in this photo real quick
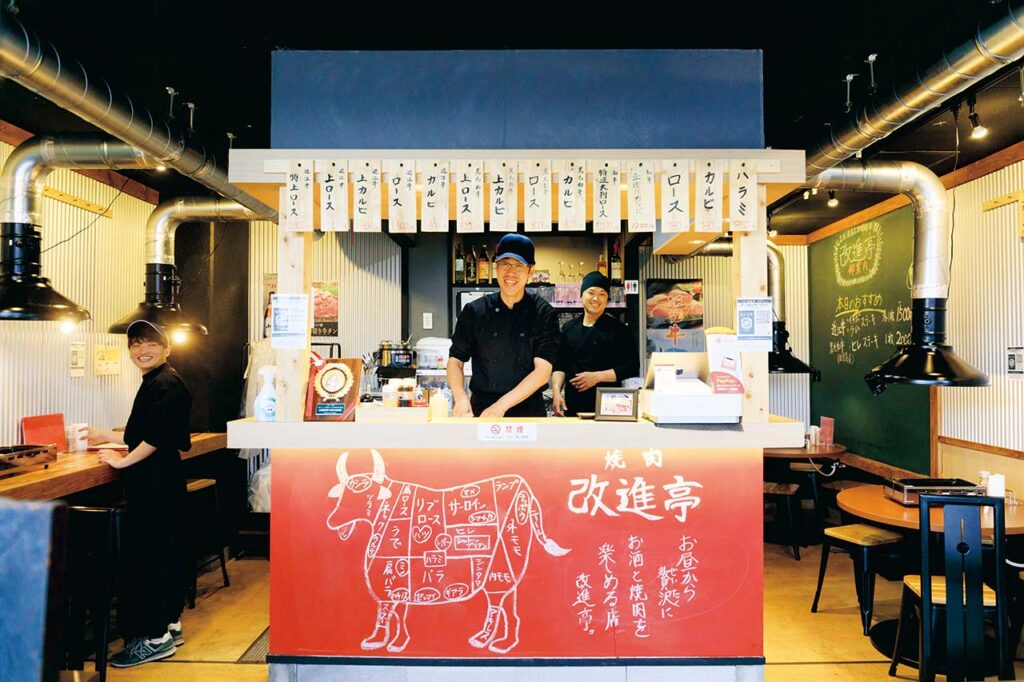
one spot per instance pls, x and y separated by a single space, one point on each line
616 404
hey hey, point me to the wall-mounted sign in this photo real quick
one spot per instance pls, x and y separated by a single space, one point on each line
106 360
76 359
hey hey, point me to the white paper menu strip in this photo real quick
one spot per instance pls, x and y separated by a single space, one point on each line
400 178
366 191
333 177
298 196
537 196
607 196
503 198
708 202
675 195
469 196
640 196
572 196
433 195
742 196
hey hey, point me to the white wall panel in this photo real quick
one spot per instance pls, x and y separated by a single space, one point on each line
34 378
789 394
100 267
986 311
368 270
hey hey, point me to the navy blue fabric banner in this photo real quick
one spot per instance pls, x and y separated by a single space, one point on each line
516 99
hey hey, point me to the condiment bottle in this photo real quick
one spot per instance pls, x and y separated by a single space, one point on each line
438 406
460 265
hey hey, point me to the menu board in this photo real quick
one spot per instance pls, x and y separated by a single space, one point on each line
860 312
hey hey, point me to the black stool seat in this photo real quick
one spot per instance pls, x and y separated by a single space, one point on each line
204 537
860 541
783 494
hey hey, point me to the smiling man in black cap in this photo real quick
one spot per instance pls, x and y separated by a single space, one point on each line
512 338
597 350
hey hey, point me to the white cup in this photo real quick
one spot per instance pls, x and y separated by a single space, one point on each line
79 442
996 485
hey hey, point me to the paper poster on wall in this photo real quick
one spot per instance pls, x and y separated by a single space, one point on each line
1015 363
433 196
289 317
503 179
325 305
572 196
675 315
333 177
754 324
106 360
76 359
675 195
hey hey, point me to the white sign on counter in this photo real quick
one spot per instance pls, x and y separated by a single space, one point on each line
505 432
289 321
754 324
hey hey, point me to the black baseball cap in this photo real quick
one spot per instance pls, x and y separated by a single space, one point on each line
517 246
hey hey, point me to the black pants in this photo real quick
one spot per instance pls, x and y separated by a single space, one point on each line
531 407
153 588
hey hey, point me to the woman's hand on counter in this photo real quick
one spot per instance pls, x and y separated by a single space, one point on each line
462 408
495 411
112 458
94 436
558 404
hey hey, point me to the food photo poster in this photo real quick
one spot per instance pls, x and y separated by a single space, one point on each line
675 315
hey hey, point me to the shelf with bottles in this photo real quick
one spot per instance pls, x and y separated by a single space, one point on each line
561 258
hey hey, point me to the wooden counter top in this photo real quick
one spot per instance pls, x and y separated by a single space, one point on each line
77 471
555 432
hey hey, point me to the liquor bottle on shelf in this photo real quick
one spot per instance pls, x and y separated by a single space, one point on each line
616 264
494 267
460 264
602 265
483 267
471 266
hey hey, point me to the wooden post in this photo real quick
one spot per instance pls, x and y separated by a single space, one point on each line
750 279
294 276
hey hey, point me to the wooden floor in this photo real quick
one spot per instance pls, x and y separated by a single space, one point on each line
799 646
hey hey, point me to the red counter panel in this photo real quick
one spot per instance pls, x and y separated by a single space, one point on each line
516 553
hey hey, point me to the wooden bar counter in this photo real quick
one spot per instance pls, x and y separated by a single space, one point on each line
459 549
74 472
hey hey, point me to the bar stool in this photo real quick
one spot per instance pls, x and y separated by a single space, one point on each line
860 541
92 548
204 538
780 493
808 472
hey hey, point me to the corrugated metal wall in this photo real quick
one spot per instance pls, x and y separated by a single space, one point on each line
789 394
368 270
986 311
100 267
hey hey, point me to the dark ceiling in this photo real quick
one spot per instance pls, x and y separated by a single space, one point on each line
217 55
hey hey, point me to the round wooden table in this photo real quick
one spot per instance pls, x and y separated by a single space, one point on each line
869 502
806 452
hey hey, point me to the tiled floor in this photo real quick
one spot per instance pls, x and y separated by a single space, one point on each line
799 646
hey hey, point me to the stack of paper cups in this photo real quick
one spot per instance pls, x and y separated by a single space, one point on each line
815 435
997 485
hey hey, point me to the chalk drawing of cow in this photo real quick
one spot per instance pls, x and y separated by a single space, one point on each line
432 546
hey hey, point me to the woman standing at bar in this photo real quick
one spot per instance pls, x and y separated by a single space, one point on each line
157 430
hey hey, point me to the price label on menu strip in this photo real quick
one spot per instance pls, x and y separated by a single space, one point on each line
506 432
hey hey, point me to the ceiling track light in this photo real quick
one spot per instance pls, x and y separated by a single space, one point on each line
832 201
978 131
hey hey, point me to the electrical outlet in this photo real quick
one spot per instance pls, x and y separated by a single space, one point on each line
428 320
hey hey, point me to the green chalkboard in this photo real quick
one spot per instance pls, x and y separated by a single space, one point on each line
860 310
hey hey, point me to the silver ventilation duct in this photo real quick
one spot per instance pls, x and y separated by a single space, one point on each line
162 282
927 359
24 293
781 359
991 49
25 60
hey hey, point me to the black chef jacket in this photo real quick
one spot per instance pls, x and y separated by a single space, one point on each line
608 344
160 416
502 343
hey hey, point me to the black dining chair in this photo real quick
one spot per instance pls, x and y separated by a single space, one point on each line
955 587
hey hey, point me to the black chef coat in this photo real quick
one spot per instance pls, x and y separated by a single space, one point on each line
160 416
608 344
502 343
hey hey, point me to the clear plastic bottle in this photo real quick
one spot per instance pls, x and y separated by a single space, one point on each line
265 405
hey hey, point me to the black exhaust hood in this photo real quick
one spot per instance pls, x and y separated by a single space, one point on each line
160 306
24 293
781 359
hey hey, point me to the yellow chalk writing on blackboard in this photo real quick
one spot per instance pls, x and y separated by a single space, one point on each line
857 254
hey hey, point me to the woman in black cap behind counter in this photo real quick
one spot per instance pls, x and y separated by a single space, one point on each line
596 350
150 605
